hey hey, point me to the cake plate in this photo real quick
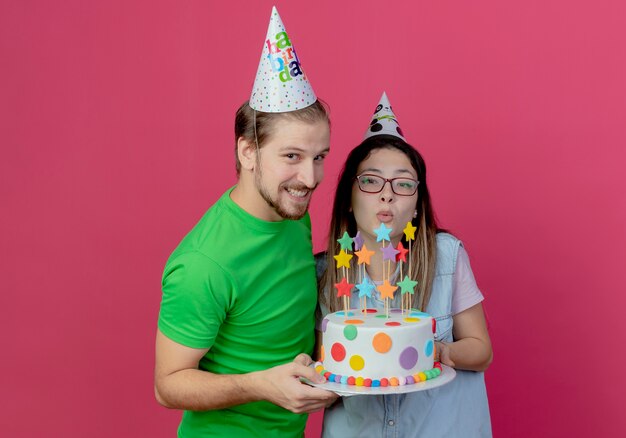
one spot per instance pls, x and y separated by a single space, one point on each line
446 376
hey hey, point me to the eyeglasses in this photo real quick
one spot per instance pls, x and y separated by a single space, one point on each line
375 184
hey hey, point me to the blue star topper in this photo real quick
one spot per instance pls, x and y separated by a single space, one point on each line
382 233
365 288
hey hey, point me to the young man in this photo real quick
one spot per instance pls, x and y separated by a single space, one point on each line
239 292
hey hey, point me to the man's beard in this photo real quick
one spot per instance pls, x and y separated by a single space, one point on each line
298 214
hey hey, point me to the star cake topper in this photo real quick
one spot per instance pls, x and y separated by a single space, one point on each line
409 231
343 288
343 259
407 285
358 241
365 288
402 252
389 253
345 241
386 290
382 233
364 255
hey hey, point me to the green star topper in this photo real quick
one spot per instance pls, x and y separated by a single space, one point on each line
345 241
407 285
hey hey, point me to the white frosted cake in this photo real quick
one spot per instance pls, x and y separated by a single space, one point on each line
373 349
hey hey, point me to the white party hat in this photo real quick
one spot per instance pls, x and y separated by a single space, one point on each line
280 85
384 120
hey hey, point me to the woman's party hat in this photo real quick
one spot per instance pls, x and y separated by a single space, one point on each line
384 120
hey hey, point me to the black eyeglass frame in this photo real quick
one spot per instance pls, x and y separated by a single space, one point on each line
386 180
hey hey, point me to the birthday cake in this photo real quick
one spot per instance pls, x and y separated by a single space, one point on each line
377 348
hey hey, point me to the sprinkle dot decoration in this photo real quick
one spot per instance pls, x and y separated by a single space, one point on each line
357 361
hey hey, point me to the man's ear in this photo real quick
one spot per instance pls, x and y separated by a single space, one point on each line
246 152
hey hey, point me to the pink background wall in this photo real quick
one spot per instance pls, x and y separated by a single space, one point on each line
116 134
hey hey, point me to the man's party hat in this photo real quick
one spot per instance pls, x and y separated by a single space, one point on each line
281 84
384 120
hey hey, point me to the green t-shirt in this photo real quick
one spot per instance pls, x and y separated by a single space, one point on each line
246 289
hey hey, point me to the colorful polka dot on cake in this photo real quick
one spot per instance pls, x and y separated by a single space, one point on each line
408 358
429 347
354 321
350 332
357 363
338 352
381 342
324 325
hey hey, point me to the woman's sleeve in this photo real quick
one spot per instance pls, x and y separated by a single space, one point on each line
465 293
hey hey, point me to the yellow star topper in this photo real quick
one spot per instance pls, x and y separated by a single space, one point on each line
343 259
386 290
409 231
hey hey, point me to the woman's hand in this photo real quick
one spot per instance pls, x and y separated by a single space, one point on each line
442 354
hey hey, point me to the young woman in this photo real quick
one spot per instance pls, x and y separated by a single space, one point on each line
384 181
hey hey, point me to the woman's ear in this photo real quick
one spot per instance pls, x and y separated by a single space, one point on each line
246 152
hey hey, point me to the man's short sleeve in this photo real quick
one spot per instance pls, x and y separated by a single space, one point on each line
197 295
